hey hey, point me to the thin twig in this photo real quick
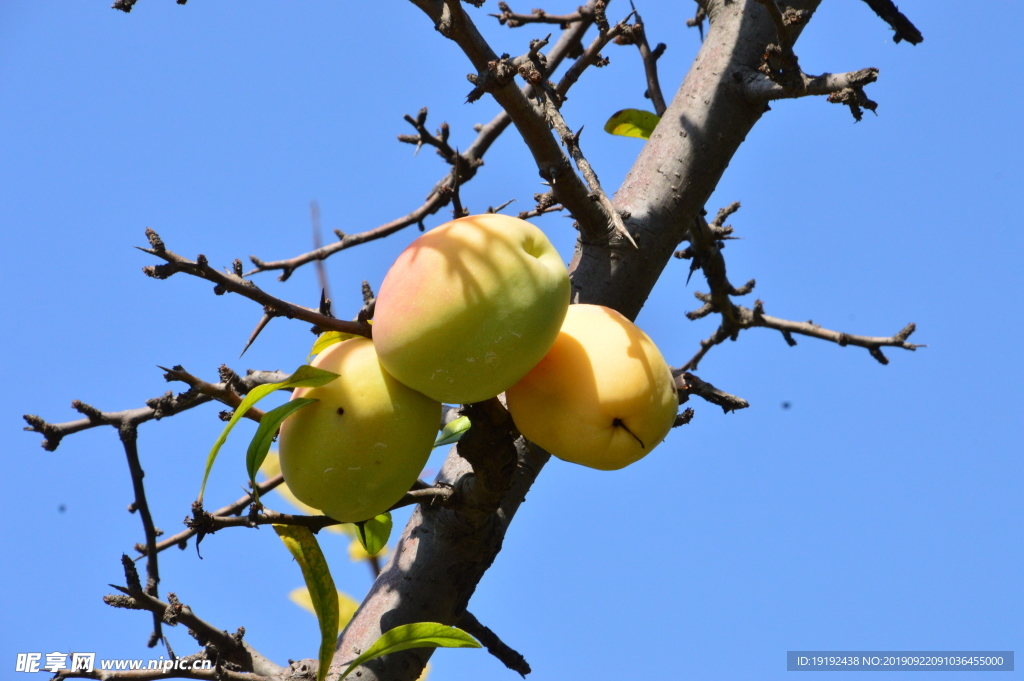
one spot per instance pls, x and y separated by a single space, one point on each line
208 523
537 16
635 35
166 405
705 251
233 282
687 384
572 144
129 433
888 11
494 645
181 539
439 197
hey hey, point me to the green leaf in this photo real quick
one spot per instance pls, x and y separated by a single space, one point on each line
416 635
304 377
373 534
264 437
306 551
453 431
632 123
327 339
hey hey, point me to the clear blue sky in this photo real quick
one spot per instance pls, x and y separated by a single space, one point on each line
881 511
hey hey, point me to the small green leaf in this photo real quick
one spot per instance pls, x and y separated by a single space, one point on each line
304 377
632 123
264 437
453 431
416 635
373 534
304 547
327 339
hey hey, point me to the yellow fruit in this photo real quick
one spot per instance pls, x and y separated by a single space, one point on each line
358 449
470 307
602 397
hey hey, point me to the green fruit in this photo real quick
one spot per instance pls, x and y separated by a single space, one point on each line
470 307
358 449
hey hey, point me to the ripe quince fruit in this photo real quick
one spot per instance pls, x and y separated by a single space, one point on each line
602 397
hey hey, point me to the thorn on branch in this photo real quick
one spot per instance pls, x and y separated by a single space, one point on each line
683 418
854 98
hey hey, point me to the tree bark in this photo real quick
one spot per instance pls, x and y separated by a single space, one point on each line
443 552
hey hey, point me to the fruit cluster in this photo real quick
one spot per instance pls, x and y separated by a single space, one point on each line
471 309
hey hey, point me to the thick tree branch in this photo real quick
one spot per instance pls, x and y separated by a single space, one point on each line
233 282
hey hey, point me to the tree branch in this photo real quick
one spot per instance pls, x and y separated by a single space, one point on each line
706 242
539 16
635 35
226 648
495 75
440 195
234 283
687 384
494 645
157 408
204 523
888 11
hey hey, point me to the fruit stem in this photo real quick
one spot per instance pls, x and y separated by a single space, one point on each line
617 423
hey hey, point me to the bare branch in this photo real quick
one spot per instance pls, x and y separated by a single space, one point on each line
227 647
129 432
233 282
888 11
492 74
698 18
537 16
572 144
181 539
705 251
761 88
204 523
687 384
494 645
439 196
167 404
635 35
747 319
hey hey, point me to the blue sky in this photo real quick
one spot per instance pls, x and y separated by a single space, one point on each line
881 511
